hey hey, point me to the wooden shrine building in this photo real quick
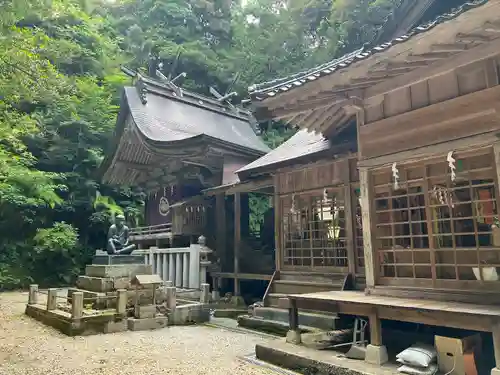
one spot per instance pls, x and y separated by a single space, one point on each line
174 144
424 111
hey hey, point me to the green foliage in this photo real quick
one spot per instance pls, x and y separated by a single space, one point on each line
60 88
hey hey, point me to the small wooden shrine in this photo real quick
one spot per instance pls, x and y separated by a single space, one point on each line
174 144
424 110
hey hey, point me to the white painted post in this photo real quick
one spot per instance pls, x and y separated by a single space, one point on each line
171 267
52 299
194 266
178 270
164 275
33 296
159 258
77 305
185 270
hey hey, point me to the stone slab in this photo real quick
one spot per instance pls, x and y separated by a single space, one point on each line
147 323
270 326
102 284
118 326
326 322
189 314
118 259
118 270
229 313
310 361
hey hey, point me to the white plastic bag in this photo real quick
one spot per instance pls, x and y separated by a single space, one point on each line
419 355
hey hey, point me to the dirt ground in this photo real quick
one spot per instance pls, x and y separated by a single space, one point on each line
29 348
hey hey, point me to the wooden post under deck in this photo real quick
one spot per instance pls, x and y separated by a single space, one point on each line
375 330
278 255
237 241
495 332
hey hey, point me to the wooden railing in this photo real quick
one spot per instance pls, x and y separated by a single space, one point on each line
152 229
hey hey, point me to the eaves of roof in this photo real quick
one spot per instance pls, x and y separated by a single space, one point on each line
263 91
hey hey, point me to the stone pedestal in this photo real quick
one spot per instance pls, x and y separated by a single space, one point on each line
293 337
104 258
376 355
147 324
495 371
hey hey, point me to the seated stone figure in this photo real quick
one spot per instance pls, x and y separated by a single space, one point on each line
118 236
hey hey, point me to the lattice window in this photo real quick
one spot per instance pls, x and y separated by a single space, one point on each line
437 229
313 229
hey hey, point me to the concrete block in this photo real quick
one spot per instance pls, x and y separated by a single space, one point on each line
142 312
189 314
293 337
495 371
376 355
147 323
118 326
118 270
117 259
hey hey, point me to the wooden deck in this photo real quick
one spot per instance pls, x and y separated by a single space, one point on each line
432 312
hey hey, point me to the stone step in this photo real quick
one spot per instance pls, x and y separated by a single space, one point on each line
269 326
118 270
323 321
102 284
147 324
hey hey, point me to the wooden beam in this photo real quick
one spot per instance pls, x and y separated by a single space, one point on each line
407 64
278 217
447 47
220 213
306 105
482 52
237 241
334 113
495 331
430 56
473 37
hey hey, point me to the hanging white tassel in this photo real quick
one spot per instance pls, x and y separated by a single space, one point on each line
292 208
325 197
395 176
451 164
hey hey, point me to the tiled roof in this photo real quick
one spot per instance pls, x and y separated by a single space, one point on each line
302 143
272 88
168 119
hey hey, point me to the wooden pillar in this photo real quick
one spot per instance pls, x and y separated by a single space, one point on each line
278 251
375 330
237 241
349 217
245 215
220 215
495 331
293 315
368 225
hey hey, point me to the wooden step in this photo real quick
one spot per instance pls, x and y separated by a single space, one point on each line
311 276
302 287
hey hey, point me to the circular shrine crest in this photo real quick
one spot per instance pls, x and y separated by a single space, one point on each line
164 206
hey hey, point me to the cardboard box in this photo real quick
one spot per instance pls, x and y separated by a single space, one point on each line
458 354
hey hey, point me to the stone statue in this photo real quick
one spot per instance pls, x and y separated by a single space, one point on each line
118 238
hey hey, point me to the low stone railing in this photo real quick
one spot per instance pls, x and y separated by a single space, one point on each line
185 267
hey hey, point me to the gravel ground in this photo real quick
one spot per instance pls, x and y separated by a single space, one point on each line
30 348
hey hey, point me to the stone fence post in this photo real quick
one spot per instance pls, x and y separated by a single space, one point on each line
52 299
77 305
33 296
171 298
205 293
121 301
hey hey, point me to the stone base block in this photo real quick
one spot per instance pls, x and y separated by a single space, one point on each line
293 337
102 284
118 326
376 355
495 371
118 270
237 301
105 259
189 314
142 312
147 323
